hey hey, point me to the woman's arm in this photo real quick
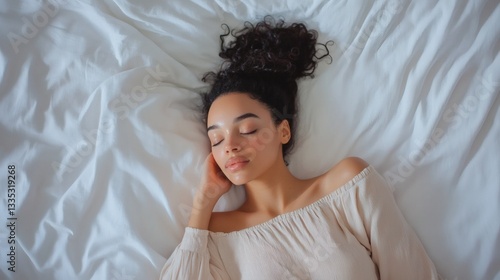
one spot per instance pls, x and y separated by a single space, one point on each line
192 259
201 212
213 185
379 225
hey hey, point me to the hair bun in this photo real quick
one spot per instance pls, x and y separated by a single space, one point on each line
264 61
271 49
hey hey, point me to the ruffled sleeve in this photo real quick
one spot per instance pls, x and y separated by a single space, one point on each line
378 224
192 259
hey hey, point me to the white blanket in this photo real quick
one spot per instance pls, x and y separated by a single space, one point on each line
102 128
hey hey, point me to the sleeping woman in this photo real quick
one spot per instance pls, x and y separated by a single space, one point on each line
343 224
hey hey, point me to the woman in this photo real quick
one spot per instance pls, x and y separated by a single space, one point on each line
343 224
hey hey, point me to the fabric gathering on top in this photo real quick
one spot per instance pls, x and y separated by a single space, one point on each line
355 232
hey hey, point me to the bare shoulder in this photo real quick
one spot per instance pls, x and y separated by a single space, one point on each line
343 172
349 167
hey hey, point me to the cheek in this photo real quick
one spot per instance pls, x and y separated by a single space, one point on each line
266 138
264 142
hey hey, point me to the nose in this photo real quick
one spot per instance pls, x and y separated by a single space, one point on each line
233 144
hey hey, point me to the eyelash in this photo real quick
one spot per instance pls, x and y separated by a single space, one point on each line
251 132
247 133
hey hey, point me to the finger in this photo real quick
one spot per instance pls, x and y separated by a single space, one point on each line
214 167
221 175
209 158
209 162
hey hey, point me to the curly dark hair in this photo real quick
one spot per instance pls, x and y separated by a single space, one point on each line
264 61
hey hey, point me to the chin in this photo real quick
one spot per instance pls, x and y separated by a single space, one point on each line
239 179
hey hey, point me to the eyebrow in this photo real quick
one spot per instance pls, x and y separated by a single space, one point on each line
237 119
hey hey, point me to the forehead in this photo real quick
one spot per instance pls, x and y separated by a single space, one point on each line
229 106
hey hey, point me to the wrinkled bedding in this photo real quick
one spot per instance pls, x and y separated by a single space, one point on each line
102 129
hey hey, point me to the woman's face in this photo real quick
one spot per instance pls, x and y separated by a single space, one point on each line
245 141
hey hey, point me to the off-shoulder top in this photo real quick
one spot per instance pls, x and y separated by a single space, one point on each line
355 232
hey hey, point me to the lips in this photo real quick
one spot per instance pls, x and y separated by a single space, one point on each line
236 163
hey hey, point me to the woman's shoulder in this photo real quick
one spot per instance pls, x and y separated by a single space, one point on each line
349 167
342 172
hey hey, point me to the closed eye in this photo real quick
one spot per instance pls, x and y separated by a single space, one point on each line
216 143
243 133
248 133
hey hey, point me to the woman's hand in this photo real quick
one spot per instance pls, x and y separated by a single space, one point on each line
213 185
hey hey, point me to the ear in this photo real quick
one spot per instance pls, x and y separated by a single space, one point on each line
284 132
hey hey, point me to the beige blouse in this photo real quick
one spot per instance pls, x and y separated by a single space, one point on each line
355 232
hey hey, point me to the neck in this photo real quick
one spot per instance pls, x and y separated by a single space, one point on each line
272 192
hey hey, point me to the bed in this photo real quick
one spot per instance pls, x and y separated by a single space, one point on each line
102 142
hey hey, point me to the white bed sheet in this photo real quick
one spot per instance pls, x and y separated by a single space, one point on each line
101 121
